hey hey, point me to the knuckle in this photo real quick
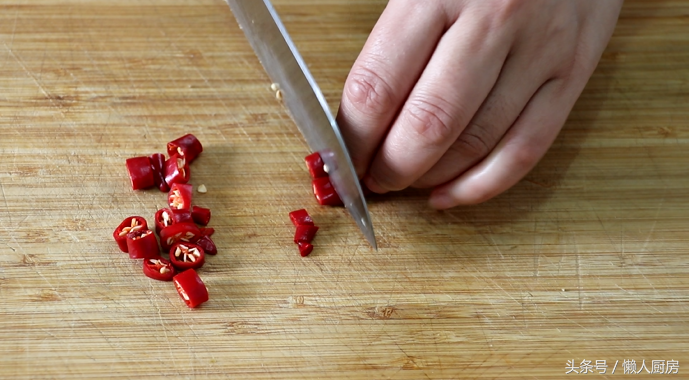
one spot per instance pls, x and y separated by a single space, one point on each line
367 91
431 120
475 142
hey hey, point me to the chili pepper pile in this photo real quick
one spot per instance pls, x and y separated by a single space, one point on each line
176 225
306 230
323 190
325 194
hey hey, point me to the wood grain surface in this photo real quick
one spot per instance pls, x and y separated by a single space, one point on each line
585 259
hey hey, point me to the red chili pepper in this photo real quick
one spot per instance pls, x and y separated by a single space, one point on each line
176 170
142 244
325 192
305 233
187 255
315 164
159 269
140 173
191 288
179 232
207 231
158 167
179 197
301 217
201 215
208 245
130 224
163 218
182 216
304 248
187 146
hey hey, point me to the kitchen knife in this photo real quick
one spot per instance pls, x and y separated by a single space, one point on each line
305 101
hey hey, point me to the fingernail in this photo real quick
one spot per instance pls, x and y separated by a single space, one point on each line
374 186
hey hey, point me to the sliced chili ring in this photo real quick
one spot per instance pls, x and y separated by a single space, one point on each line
187 256
140 173
305 233
304 248
179 197
315 164
159 269
207 231
208 245
176 170
325 192
182 216
158 167
179 232
201 215
130 224
191 288
300 217
142 244
162 219
187 146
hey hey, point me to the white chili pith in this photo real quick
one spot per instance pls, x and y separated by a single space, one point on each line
163 269
167 221
143 234
135 226
180 166
176 201
181 291
190 254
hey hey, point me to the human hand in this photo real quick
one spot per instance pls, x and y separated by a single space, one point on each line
467 95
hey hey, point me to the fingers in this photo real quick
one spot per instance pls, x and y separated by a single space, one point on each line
519 150
391 61
463 69
520 78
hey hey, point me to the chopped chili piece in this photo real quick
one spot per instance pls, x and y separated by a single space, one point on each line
304 248
130 224
158 167
159 269
300 217
142 244
179 197
179 232
163 218
187 255
187 146
182 216
207 231
140 173
315 164
305 233
325 192
191 288
176 170
207 244
201 215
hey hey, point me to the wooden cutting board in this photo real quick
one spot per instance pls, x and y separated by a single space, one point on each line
584 260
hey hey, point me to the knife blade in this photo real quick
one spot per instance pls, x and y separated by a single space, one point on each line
305 102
